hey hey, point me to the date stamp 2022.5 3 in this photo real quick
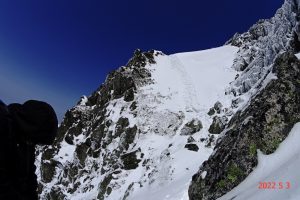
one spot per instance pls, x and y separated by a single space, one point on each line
281 185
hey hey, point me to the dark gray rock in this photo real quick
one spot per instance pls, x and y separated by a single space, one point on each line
129 95
218 107
69 139
56 194
104 187
130 161
140 59
121 125
81 152
218 125
236 102
210 141
129 136
48 171
191 139
191 127
133 106
48 153
211 111
128 191
192 147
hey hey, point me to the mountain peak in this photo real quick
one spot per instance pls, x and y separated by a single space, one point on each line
146 130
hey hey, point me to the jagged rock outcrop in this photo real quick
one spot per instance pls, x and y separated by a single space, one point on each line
87 131
218 125
262 125
268 48
260 46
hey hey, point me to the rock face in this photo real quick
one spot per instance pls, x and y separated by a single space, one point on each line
269 73
261 44
217 125
130 160
262 125
87 132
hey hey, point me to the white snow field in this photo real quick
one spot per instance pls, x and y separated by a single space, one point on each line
187 83
281 168
195 80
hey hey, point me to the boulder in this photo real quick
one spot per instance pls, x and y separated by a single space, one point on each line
191 147
217 125
218 107
191 127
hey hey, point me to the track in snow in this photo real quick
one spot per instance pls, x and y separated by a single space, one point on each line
189 93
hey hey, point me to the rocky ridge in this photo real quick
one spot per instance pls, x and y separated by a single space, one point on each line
269 74
263 125
86 131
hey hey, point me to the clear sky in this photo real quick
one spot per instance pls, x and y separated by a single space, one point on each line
59 50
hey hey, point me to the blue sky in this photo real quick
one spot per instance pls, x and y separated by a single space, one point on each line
58 50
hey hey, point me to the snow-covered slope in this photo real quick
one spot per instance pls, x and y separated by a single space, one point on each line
189 84
192 82
276 176
152 144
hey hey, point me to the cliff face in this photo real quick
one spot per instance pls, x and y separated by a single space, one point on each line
262 44
269 74
81 148
263 125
